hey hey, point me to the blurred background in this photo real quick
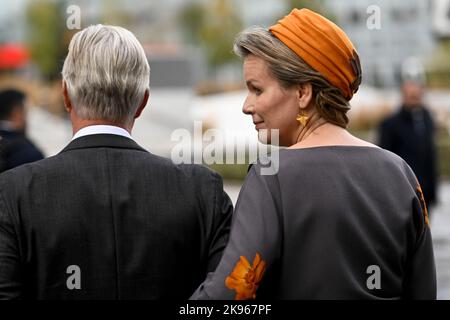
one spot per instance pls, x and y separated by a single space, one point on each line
196 77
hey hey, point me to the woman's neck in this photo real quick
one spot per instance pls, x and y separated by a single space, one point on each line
313 125
319 132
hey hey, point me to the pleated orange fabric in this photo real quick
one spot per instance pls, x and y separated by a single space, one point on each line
323 46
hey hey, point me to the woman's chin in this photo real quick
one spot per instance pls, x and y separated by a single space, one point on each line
269 137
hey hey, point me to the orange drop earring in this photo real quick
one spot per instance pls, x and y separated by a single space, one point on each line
302 118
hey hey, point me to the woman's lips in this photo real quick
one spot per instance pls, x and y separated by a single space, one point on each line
258 125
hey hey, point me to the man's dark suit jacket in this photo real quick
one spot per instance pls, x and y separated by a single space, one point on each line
16 149
134 224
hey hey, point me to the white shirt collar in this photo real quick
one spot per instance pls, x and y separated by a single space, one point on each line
101 129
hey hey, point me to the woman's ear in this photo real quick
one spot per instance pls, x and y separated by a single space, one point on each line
304 95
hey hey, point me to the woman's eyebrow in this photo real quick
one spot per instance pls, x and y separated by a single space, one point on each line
251 82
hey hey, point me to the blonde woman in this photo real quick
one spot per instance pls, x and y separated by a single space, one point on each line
342 218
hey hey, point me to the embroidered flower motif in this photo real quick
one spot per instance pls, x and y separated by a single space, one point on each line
245 278
423 204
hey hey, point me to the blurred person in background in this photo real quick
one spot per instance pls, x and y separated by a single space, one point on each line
104 218
409 133
15 148
342 218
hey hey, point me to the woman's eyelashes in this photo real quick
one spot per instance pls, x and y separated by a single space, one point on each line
255 90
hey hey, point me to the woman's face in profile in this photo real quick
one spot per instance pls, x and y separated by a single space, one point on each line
270 105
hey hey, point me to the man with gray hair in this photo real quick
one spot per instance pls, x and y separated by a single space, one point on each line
105 219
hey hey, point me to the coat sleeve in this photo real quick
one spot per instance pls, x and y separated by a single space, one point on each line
10 265
420 273
221 222
254 243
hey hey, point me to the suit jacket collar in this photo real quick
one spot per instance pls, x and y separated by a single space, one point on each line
11 134
101 141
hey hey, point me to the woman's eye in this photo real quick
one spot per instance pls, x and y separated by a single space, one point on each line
251 88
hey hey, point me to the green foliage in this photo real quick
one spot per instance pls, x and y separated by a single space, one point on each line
318 6
231 172
443 146
46 36
314 5
213 26
444 160
112 13
438 66
192 18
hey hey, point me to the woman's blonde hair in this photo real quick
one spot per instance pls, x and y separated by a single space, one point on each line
291 70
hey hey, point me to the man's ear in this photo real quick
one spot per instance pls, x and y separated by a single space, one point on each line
304 95
67 103
143 104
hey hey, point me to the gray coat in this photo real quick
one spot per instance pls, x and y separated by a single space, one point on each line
337 222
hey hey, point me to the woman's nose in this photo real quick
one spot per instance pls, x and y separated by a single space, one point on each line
248 108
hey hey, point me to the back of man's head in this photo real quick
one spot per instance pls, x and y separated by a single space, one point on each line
106 73
10 99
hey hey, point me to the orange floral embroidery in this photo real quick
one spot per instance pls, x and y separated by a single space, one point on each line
423 204
245 278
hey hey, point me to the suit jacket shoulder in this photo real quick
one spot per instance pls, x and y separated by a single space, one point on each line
126 217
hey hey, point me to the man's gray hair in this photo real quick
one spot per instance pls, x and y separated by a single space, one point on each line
107 73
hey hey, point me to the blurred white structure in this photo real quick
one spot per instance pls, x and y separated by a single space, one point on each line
405 29
224 112
441 18
413 69
169 107
167 110
12 20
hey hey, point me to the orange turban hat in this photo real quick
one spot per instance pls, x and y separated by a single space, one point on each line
323 46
